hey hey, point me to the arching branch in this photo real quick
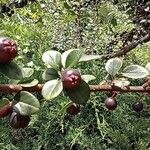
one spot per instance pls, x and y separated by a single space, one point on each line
130 47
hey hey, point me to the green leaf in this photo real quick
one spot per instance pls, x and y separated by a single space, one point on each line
114 21
50 74
31 84
3 102
12 71
27 104
122 82
135 72
67 6
89 57
113 65
71 57
79 95
87 78
52 89
27 72
12 81
63 110
148 67
52 59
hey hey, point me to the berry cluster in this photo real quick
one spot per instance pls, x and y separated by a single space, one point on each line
71 79
16 121
8 9
8 50
111 104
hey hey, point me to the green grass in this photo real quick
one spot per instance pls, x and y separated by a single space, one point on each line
94 128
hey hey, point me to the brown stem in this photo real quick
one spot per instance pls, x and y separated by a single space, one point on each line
130 47
8 88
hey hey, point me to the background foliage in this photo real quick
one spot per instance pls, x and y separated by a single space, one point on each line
55 25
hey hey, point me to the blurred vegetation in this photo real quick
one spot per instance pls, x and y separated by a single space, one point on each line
50 24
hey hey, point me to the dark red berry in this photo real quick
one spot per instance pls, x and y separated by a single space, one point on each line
111 103
71 79
8 50
137 106
73 109
6 110
18 121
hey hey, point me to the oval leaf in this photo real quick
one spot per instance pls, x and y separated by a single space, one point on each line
148 67
87 78
113 65
50 74
89 57
71 57
79 95
27 72
11 70
52 89
52 59
135 72
27 104
122 82
31 84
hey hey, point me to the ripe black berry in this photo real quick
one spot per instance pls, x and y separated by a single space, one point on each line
18 121
71 79
137 106
8 50
111 103
73 109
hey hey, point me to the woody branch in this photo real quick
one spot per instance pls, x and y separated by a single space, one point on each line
8 88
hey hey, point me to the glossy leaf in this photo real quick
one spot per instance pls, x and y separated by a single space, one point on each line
135 72
31 84
12 71
89 57
79 95
52 89
27 72
50 74
27 104
122 82
87 78
71 57
113 65
148 67
52 59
